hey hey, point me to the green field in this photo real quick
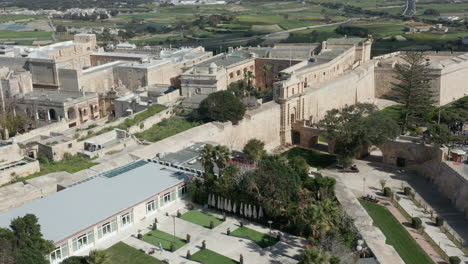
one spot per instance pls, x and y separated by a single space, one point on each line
261 239
313 158
7 18
166 128
207 256
6 34
200 218
396 234
122 253
155 237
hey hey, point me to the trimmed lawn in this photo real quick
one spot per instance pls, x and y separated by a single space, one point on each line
313 158
207 256
261 239
396 234
122 253
156 236
200 218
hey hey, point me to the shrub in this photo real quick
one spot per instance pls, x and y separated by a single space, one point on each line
454 260
211 224
154 226
189 255
172 247
203 244
407 190
335 260
139 236
439 221
228 232
188 238
416 222
387 192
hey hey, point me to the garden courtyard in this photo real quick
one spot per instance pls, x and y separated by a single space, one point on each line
252 240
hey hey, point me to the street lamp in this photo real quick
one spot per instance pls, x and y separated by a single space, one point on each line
364 185
269 223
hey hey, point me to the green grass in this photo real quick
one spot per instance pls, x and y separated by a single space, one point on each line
122 253
7 18
166 128
72 164
313 158
6 34
207 256
261 239
396 234
200 218
155 237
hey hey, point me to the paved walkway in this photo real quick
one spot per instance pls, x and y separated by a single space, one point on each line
286 251
217 240
432 230
367 182
418 237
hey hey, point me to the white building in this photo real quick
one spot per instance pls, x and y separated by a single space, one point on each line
89 212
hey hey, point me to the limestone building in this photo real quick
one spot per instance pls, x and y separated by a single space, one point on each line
13 83
45 107
340 74
448 72
215 74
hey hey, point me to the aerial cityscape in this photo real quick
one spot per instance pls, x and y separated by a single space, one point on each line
234 132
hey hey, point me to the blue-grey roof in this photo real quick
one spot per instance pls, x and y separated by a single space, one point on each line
84 204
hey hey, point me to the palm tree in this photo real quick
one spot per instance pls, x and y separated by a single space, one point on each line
98 257
249 77
383 183
266 68
222 155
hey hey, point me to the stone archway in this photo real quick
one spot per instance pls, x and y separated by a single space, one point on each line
71 113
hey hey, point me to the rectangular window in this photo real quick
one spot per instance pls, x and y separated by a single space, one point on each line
182 190
82 241
167 198
107 228
59 253
126 219
150 207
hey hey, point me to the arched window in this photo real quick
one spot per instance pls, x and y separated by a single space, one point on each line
71 113
52 115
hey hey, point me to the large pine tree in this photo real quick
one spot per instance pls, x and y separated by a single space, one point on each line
412 90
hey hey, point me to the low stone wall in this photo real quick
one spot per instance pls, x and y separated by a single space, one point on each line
32 166
150 121
452 182
45 130
371 234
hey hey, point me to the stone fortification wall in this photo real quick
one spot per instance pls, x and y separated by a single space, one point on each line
453 183
234 136
169 98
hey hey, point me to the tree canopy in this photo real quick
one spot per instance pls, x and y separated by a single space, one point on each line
23 242
355 127
254 150
412 90
222 106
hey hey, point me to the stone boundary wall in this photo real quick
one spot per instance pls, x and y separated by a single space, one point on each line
371 234
45 130
150 121
454 185
32 166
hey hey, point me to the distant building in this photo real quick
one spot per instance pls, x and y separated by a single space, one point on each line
45 107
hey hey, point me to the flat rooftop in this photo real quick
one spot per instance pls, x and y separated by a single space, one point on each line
57 96
95 199
224 61
122 54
